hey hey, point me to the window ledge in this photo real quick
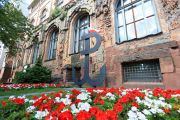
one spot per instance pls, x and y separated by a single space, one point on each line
50 60
136 39
150 85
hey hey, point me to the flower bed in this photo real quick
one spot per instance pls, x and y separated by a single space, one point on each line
26 86
96 104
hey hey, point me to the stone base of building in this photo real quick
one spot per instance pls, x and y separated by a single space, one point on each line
167 53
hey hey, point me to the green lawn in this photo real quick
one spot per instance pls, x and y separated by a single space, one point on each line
26 91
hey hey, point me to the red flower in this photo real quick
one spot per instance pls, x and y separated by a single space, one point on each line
135 104
167 111
34 97
100 115
76 92
112 115
93 110
118 107
19 101
61 106
124 99
99 101
83 115
3 103
67 115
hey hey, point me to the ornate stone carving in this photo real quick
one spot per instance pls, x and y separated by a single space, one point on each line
170 4
102 7
80 5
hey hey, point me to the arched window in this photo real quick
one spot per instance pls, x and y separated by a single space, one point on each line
81 27
53 45
35 53
136 19
43 15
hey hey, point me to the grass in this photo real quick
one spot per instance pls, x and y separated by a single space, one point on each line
26 91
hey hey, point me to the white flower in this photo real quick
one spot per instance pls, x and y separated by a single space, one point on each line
146 112
40 114
179 111
132 115
84 106
98 91
161 98
160 111
31 101
12 97
110 96
74 110
141 116
134 109
30 109
123 93
66 101
153 111
57 100
83 96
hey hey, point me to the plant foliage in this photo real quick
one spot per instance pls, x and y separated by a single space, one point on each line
14 26
35 74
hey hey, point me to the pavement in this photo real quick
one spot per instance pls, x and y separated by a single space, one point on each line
29 94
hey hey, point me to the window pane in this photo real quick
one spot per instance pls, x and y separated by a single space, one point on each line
152 25
148 8
122 34
126 2
81 45
144 71
138 13
141 29
120 19
129 15
130 31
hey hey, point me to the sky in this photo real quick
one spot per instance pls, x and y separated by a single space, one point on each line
24 6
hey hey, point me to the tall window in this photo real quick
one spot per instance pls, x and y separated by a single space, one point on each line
136 19
143 71
35 53
59 2
81 28
53 45
43 15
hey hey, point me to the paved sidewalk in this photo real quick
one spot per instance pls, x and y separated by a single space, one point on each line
28 94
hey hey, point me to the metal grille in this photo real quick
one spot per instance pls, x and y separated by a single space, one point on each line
144 71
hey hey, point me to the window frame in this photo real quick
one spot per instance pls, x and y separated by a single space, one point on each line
43 15
35 53
76 33
52 45
136 66
122 9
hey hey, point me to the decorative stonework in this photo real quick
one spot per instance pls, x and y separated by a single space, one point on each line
171 8
170 4
81 6
102 7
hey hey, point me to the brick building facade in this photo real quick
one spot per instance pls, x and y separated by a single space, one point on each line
140 47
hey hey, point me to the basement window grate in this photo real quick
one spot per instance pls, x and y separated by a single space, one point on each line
142 71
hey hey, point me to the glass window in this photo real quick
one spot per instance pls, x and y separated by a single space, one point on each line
136 19
143 71
53 45
81 28
43 15
35 53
